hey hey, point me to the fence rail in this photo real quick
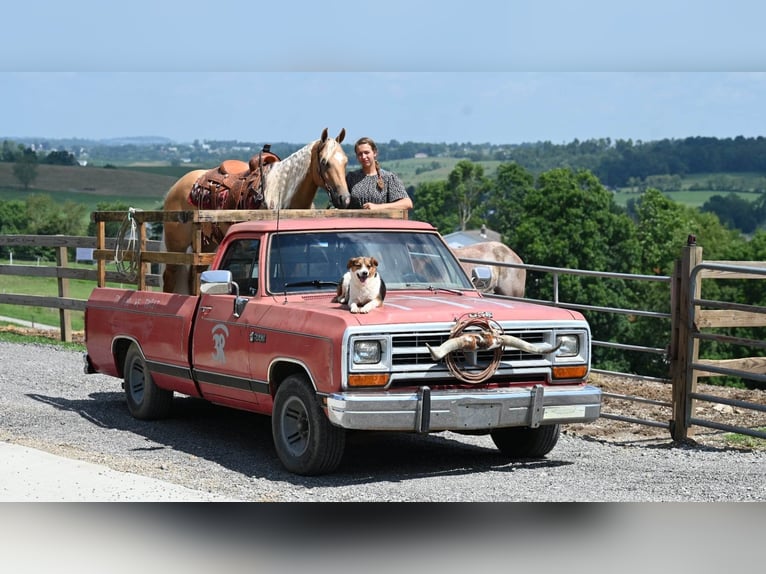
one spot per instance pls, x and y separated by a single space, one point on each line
63 273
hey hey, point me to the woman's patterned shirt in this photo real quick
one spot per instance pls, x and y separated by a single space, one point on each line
364 188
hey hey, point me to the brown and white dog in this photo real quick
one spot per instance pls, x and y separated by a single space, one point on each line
361 287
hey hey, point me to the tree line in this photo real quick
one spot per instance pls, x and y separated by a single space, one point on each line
616 163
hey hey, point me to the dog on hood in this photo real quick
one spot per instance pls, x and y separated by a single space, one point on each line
361 287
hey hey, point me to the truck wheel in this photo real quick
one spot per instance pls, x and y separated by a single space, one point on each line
526 442
145 399
305 440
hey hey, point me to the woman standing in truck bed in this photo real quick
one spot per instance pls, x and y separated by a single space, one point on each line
372 187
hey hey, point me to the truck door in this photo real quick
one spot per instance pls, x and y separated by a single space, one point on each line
221 341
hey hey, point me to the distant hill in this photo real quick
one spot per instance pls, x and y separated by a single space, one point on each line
90 185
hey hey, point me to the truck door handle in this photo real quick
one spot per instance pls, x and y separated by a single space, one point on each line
205 309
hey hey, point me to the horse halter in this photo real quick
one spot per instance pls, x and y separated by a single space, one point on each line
321 168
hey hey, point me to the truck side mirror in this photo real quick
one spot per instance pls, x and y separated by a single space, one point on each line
481 277
220 282
217 282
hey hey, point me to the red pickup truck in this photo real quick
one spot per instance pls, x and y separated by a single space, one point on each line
266 335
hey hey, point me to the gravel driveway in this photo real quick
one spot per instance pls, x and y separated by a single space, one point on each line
48 403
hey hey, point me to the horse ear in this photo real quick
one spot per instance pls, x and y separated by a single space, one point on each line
341 135
324 135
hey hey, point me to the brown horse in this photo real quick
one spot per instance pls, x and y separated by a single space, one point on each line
507 281
288 184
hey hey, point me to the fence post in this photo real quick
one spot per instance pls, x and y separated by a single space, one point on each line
100 245
65 316
684 349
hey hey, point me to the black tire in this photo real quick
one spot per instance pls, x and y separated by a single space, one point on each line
305 440
526 442
146 400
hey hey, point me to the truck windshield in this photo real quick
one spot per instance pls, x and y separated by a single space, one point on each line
317 261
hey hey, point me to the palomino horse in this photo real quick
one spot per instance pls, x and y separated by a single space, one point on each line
287 184
507 281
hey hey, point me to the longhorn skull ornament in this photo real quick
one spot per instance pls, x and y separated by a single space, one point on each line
487 340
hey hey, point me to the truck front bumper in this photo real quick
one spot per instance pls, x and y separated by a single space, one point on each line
426 410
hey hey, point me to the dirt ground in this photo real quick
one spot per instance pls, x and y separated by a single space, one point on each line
624 432
617 431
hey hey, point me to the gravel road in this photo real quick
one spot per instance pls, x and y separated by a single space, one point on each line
48 403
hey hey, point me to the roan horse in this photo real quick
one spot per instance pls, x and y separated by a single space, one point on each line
287 184
508 281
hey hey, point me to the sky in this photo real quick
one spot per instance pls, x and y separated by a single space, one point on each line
499 72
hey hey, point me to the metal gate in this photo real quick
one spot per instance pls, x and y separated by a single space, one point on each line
696 320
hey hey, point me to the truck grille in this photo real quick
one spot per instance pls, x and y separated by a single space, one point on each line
409 349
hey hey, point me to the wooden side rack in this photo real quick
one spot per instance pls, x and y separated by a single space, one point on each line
196 258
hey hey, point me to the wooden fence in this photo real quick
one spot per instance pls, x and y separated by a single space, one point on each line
62 272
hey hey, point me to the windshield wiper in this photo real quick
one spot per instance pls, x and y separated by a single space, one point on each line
312 283
432 288
453 291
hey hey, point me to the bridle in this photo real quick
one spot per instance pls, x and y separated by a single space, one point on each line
321 169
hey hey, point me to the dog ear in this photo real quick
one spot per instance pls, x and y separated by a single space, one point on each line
350 263
374 261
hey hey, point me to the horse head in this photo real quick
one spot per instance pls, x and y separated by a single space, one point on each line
329 165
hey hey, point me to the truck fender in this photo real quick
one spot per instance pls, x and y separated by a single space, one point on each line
283 367
120 346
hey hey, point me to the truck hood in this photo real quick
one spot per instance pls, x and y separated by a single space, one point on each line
443 306
401 307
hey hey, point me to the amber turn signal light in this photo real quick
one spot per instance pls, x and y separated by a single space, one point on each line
570 372
368 380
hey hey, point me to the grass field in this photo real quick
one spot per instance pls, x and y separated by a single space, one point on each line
417 171
696 189
685 197
90 185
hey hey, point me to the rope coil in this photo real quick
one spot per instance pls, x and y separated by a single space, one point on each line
129 244
484 323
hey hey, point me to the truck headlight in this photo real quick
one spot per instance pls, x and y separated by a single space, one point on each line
570 345
367 352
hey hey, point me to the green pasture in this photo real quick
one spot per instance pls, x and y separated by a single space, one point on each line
91 185
88 200
684 197
415 171
695 190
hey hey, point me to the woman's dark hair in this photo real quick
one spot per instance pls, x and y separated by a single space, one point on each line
371 143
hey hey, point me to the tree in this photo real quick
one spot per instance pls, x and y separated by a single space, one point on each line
111 228
60 158
431 204
663 229
12 221
568 219
503 211
12 217
466 185
25 168
11 151
734 211
46 217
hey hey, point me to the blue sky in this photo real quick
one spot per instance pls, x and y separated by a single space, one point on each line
431 71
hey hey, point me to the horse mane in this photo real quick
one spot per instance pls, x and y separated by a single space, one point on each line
285 176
